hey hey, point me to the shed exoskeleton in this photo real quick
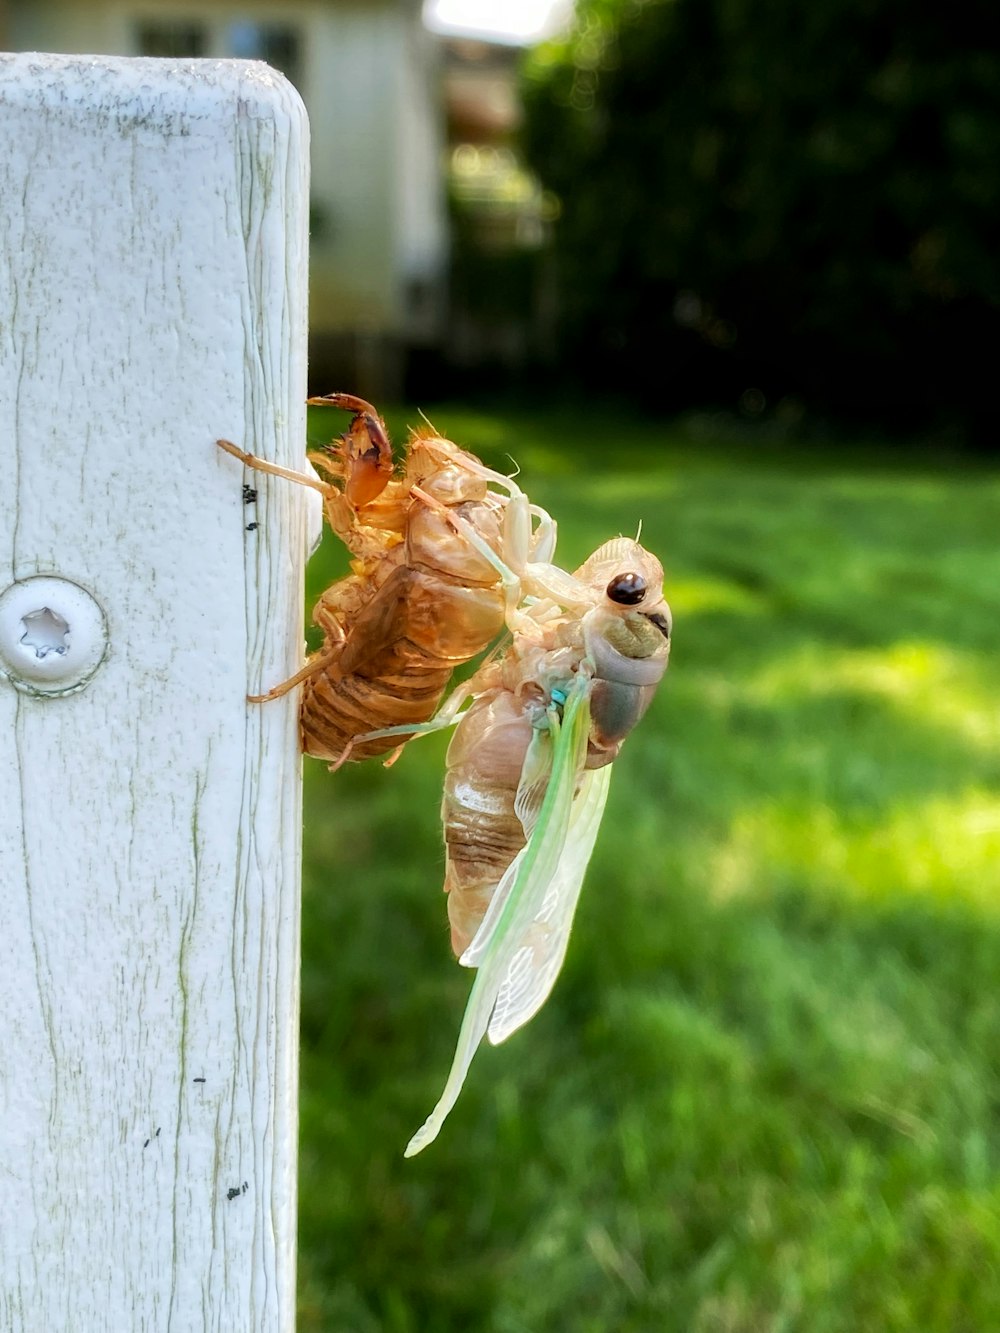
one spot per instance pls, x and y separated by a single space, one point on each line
421 598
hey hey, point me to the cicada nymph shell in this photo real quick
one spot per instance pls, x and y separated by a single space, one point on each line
446 553
422 598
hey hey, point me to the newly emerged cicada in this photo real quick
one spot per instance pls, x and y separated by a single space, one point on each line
446 554
528 773
421 598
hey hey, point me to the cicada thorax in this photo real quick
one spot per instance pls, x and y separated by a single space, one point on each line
421 602
629 658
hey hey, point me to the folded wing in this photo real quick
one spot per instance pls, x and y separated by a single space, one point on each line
521 942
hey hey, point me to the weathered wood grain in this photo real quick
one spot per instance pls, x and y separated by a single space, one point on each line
152 298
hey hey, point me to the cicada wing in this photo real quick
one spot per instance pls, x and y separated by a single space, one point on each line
473 954
533 970
511 930
534 783
536 772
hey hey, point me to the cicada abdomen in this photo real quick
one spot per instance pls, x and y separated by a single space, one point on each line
483 832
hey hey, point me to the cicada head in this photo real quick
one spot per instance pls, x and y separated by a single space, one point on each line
627 636
630 607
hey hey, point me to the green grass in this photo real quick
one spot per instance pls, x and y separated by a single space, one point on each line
764 1095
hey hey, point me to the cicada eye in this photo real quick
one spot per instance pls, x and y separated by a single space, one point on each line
627 589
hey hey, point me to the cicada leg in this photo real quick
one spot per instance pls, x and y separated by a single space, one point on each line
262 465
340 515
334 639
316 664
326 620
446 716
364 448
347 402
348 749
388 763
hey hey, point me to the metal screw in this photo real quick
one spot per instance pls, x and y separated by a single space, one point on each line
53 636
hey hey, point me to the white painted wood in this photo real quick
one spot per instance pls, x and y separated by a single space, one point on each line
152 298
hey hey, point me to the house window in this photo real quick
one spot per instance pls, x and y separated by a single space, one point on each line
277 43
167 37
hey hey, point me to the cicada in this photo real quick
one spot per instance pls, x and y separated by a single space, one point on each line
528 770
439 551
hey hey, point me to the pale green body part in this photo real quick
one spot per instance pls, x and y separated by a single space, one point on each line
520 946
587 656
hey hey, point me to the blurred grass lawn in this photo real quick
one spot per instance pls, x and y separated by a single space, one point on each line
764 1095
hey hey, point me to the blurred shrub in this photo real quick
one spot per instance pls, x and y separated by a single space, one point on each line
764 200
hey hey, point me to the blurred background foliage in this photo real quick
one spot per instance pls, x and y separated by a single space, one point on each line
764 1096
787 212
777 205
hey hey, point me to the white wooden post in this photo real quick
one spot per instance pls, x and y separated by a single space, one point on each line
152 298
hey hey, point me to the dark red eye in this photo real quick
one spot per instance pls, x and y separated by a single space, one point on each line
627 589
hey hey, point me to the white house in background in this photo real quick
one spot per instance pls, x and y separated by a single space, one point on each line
369 74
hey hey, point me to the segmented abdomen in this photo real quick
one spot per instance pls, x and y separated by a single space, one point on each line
395 663
405 687
422 608
481 829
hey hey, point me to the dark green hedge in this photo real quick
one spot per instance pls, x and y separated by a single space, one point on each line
797 199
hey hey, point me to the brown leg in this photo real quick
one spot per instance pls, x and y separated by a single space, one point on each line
262 465
364 448
315 664
345 754
325 620
347 402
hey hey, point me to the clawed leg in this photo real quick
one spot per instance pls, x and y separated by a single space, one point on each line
347 402
315 664
262 465
364 448
334 640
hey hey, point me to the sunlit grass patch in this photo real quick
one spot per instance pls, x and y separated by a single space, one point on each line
764 1093
944 848
926 683
695 596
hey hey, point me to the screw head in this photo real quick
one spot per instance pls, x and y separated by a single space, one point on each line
53 636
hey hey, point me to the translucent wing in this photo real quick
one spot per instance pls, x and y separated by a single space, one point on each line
527 931
536 772
535 966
